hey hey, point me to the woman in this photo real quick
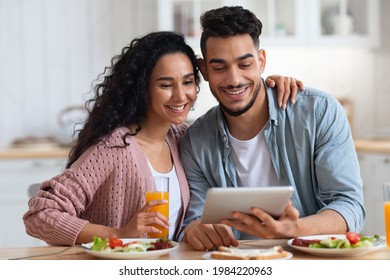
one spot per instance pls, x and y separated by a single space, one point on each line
134 125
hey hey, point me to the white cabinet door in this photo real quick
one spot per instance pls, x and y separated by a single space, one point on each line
345 23
280 18
285 22
15 177
375 172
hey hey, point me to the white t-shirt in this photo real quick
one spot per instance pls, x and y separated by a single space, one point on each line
175 202
253 165
253 162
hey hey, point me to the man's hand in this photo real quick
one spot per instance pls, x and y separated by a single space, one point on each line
207 236
287 88
288 225
261 224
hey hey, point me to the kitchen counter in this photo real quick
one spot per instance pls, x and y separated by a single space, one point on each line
373 145
21 167
55 151
34 152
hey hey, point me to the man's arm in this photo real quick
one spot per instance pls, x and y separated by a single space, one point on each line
337 167
200 236
196 181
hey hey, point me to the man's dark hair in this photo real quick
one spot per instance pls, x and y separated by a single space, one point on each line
229 21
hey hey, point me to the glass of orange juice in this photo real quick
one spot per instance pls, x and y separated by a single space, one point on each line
157 188
386 197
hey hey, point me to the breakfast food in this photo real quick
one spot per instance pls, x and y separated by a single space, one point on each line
351 240
117 245
232 253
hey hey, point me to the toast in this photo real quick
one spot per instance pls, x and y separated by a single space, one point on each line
232 253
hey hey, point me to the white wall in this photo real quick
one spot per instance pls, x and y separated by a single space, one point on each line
342 72
51 51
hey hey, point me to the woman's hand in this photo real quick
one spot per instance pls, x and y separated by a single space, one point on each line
145 221
287 88
141 224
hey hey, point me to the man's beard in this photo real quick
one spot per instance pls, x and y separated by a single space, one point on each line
241 111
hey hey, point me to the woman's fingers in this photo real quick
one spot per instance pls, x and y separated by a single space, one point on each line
287 88
152 203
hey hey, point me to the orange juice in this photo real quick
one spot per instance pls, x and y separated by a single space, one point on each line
163 209
387 222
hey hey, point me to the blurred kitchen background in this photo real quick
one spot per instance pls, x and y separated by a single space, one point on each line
52 50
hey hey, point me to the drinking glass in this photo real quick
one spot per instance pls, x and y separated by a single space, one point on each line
157 188
386 197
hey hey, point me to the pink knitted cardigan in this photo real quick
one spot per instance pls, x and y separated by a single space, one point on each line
104 186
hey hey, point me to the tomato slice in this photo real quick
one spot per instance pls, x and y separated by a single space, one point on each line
353 237
115 242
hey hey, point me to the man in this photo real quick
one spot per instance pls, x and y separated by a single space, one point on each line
249 141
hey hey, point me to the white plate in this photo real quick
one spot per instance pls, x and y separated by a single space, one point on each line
207 256
330 252
261 243
130 255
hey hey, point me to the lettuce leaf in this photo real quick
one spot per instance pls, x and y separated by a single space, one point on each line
99 244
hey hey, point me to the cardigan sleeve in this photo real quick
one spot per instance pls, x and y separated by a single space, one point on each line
53 214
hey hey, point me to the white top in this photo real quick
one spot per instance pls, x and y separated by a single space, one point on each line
253 162
253 165
175 202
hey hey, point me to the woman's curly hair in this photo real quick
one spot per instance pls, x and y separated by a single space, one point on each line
121 98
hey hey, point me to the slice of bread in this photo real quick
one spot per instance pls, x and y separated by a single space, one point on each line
232 253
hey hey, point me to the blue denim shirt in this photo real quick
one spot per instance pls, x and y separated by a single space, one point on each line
311 149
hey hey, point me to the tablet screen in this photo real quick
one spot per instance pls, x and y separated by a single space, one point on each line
220 202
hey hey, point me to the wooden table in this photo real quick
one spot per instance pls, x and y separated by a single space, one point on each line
184 252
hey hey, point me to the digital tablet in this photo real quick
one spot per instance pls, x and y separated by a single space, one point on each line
220 202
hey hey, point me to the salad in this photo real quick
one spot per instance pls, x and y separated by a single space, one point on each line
116 245
352 240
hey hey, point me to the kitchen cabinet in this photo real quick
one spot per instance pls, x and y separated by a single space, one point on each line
286 22
15 176
345 23
375 172
280 18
